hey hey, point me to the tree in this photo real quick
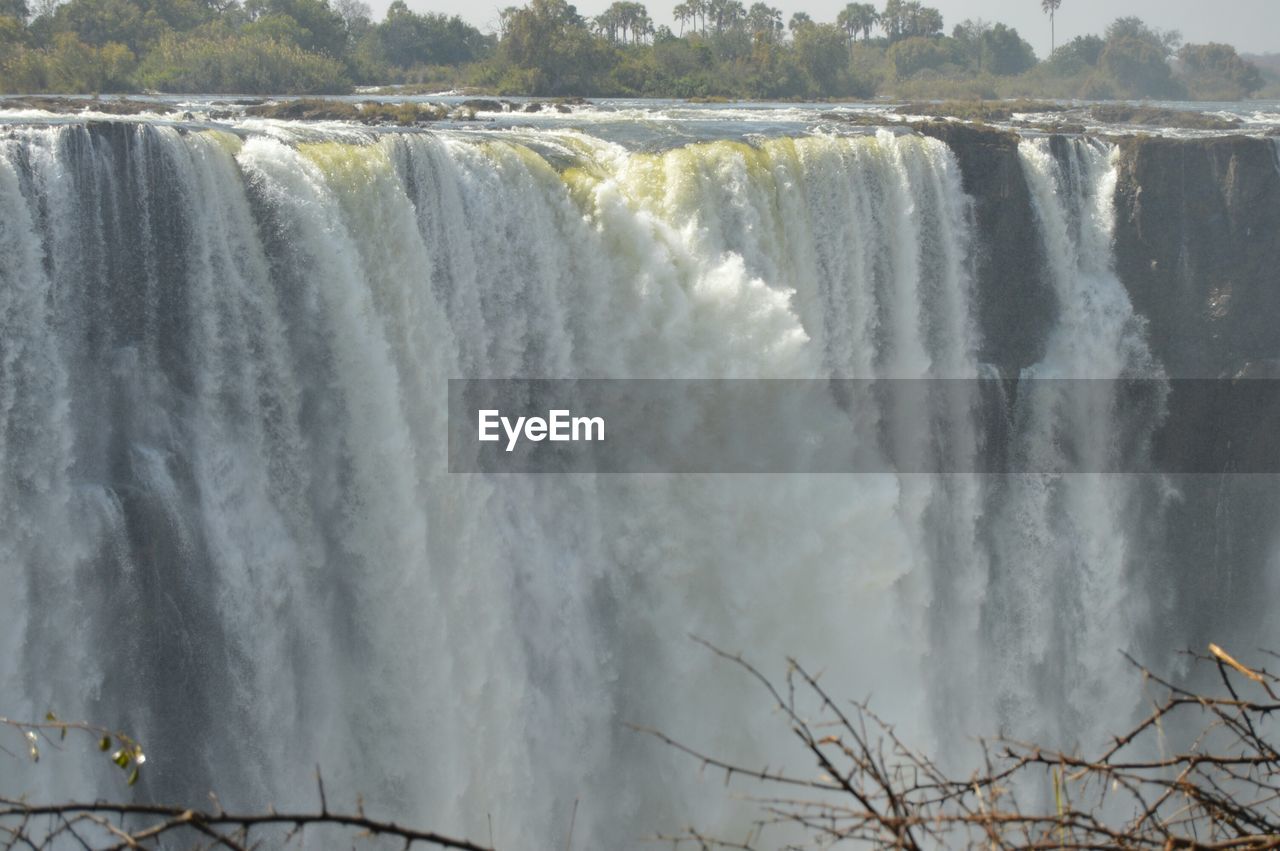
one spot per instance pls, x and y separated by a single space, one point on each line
216 59
1166 41
968 34
893 19
325 31
16 9
683 13
1217 71
1138 68
1050 8
1005 53
725 15
547 42
918 53
765 21
858 18
102 22
635 20
909 19
608 23
356 16
925 21
822 53
799 20
406 39
698 8
1136 59
1085 49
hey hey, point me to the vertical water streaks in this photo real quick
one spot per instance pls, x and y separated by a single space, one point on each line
228 523
1068 548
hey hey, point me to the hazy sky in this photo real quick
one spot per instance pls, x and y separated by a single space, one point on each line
1251 25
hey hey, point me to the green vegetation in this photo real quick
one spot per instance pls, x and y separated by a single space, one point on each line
723 49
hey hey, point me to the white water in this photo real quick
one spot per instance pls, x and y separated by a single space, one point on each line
227 525
1066 597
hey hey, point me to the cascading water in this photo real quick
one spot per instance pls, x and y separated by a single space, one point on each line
1064 548
226 523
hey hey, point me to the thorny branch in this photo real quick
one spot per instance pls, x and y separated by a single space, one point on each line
101 825
104 825
1219 792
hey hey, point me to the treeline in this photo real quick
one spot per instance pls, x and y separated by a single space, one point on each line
723 48
720 48
228 46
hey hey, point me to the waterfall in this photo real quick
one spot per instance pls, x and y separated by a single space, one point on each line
227 525
1068 546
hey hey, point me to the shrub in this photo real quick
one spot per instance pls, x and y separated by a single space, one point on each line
236 64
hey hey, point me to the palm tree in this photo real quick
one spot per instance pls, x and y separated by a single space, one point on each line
857 18
866 18
698 8
764 21
1050 7
798 20
844 21
735 14
607 23
635 19
893 19
682 13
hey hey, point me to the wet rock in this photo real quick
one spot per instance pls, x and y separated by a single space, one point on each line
369 112
482 105
1015 302
1152 116
1196 247
307 109
72 105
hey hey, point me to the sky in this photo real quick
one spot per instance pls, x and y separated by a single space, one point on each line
1253 26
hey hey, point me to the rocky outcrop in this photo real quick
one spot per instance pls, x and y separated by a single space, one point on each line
1015 302
1197 245
1198 248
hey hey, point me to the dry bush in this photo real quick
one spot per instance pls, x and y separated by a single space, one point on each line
1218 792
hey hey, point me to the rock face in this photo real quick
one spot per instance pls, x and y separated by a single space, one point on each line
1198 247
1015 302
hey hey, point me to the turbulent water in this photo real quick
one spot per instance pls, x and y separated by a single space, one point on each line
226 523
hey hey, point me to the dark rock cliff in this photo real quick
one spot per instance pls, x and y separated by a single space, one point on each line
1198 247
1015 302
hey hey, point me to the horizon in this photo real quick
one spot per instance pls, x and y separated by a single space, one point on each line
1252 27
